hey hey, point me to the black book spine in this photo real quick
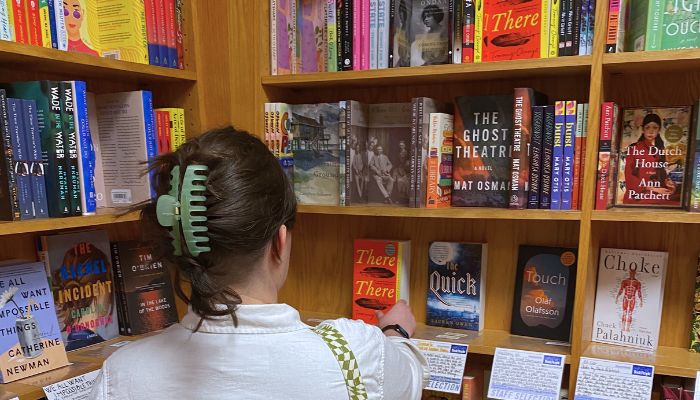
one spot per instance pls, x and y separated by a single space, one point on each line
574 12
547 153
392 31
124 326
348 159
563 10
55 148
339 10
346 22
9 201
414 152
420 193
71 144
536 157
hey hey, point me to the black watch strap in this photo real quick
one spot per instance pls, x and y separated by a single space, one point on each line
397 328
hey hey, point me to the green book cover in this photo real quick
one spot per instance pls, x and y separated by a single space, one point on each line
637 25
53 151
681 28
654 34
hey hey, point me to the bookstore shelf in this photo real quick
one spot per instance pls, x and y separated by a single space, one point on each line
673 361
34 58
652 61
435 73
452 213
104 216
646 215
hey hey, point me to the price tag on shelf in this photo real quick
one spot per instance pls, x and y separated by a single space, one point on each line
519 374
77 388
446 361
613 380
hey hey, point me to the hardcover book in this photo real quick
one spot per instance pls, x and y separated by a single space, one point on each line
695 314
457 285
693 192
545 283
422 107
122 30
310 41
380 276
430 32
356 155
30 339
629 297
482 141
607 156
9 203
315 145
144 290
36 165
439 178
81 26
512 29
80 270
680 25
653 157
547 158
400 33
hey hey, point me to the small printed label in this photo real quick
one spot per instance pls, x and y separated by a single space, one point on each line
446 362
519 374
77 388
121 196
613 380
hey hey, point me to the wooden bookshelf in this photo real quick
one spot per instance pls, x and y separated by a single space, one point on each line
652 61
103 217
666 360
647 215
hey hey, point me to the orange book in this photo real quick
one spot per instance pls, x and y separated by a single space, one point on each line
380 276
439 179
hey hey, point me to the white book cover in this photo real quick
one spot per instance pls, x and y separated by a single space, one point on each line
383 23
629 297
95 136
5 25
373 32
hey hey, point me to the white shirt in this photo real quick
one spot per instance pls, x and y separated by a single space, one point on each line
270 355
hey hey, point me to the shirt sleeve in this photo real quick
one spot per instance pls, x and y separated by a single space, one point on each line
401 360
99 389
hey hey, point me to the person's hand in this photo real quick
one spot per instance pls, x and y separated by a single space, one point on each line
400 314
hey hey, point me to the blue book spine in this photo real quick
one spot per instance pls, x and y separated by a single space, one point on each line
52 23
547 153
590 27
567 172
151 135
21 159
36 166
583 28
558 154
86 156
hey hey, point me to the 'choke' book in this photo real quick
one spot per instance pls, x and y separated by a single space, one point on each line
80 270
380 276
544 292
457 285
629 297
145 292
30 339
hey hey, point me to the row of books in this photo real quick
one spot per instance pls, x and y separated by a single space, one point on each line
328 35
645 25
628 301
67 152
146 32
84 291
648 157
496 151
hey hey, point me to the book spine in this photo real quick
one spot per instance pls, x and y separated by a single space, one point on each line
33 22
6 29
571 11
591 26
347 35
20 158
45 23
421 173
71 144
383 34
331 36
568 155
160 131
545 6
604 155
547 155
613 23
576 183
53 145
478 30
170 33
654 33
414 153
563 18
365 35
9 207
457 30
693 192
583 154
60 21
695 319
357 35
36 167
161 32
558 154
151 136
86 166
536 157
614 157
520 160
343 153
152 31
373 33
124 326
181 136
293 37
433 162
622 27
20 20
392 32
468 31
179 35
348 153
583 29
554 28
575 28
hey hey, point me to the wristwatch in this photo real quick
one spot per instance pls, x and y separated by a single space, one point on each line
397 328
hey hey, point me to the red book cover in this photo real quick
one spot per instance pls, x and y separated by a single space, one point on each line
604 155
170 33
161 32
179 18
380 276
33 22
511 29
152 32
163 128
20 20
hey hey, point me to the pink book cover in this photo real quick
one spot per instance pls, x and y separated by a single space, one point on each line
285 42
365 35
312 21
357 35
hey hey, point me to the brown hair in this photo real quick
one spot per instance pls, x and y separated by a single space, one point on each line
248 199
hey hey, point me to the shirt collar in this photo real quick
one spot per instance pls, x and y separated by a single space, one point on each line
252 318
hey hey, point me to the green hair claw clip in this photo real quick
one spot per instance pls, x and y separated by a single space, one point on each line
174 210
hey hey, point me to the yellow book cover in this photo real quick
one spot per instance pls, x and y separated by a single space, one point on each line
122 29
544 28
478 30
81 26
10 18
177 126
554 29
45 19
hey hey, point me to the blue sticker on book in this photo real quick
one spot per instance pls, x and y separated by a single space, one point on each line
390 250
458 349
642 370
552 360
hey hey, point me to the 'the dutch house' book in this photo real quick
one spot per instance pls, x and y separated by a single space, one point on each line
457 285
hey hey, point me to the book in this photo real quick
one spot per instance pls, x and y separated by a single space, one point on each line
401 33
310 41
356 156
30 339
481 162
20 158
422 107
6 28
86 150
430 32
568 155
70 139
629 297
170 33
122 30
32 134
535 188
81 26
547 158
695 314
693 192
680 25
380 276
99 179
512 29
80 271
607 156
144 288
558 154
9 201
457 285
653 157
545 284
315 146
439 177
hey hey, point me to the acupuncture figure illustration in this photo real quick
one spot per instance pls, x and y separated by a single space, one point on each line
630 288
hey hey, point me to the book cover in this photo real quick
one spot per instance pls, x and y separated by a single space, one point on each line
9 202
607 154
312 49
654 25
331 38
424 106
468 27
30 339
380 276
482 141
547 156
145 291
693 192
695 314
613 27
357 155
635 39
31 8
401 33
535 189
100 198
567 169
388 157
545 283
681 22
86 150
36 167
653 157
373 32
439 177
170 33
512 29
457 285
578 160
80 270
81 26
122 30
6 27
149 9
558 154
315 146
629 297
429 32
71 144
20 158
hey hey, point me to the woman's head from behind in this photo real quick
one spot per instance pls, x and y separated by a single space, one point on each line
250 208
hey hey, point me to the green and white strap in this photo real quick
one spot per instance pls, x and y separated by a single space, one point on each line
346 359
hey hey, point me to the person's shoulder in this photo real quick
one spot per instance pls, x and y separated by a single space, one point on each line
354 330
141 349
